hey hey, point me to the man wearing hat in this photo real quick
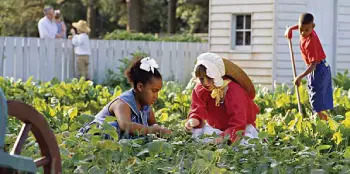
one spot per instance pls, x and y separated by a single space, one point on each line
223 98
82 47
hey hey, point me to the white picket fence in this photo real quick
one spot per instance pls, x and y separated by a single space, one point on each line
44 59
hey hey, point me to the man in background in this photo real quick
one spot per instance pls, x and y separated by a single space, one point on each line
47 26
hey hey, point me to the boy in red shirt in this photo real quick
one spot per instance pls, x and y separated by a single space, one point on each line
221 100
318 71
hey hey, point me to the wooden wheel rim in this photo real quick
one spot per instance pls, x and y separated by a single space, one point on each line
51 161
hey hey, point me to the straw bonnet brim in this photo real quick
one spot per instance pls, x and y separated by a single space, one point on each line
234 71
82 26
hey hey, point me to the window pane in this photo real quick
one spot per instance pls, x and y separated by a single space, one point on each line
247 38
239 38
239 22
248 21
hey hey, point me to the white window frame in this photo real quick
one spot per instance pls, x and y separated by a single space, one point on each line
234 47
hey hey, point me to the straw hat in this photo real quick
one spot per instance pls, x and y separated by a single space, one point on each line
240 76
217 67
82 26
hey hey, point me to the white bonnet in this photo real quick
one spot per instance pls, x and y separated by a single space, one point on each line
215 67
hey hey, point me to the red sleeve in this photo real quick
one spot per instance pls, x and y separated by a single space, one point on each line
311 50
198 105
236 103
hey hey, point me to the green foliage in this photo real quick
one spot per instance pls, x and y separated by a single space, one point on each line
20 17
342 80
118 78
194 16
114 11
288 142
125 35
182 38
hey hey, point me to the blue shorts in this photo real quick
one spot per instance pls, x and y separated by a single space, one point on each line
320 87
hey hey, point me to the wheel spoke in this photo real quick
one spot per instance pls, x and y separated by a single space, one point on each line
43 161
50 159
22 137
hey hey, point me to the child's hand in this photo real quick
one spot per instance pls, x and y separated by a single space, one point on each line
218 140
160 129
58 36
288 33
165 131
72 31
191 123
297 81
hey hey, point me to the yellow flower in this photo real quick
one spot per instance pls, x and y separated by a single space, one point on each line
164 117
337 137
333 124
72 112
346 122
271 128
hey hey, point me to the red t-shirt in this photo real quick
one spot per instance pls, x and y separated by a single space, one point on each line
234 114
311 48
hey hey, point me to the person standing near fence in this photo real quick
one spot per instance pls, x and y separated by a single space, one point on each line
61 26
318 72
81 42
47 26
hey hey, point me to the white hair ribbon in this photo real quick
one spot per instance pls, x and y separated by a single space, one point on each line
148 64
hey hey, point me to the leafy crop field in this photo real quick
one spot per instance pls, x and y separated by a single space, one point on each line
288 142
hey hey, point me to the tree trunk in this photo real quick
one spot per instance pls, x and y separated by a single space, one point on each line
172 16
134 15
91 18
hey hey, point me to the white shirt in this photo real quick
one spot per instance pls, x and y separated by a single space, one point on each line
47 28
82 44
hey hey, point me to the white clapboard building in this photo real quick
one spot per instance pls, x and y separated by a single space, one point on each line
251 33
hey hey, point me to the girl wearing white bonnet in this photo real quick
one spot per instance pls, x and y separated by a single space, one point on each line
223 98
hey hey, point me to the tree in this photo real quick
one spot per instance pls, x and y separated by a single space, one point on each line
134 15
20 19
172 16
71 11
100 15
91 17
194 15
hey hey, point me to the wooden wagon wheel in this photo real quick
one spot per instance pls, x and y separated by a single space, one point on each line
36 123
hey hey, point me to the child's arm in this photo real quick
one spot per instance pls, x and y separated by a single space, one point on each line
64 28
198 110
152 119
122 111
289 31
76 41
309 69
153 123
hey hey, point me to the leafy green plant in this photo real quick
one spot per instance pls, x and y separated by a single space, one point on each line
126 35
288 142
113 79
342 80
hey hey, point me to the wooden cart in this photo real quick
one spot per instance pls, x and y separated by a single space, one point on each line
13 162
